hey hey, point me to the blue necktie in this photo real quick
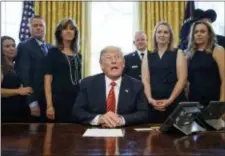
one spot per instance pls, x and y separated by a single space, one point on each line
44 48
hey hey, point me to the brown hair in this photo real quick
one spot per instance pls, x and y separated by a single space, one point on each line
4 65
74 45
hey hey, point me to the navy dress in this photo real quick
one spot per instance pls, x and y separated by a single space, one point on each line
163 78
203 75
14 108
66 73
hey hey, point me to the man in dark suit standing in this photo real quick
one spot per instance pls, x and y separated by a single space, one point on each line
133 60
29 66
110 99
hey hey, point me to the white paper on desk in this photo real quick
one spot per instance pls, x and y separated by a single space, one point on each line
146 129
103 133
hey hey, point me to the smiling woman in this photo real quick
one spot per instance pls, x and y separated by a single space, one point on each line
164 74
13 95
63 72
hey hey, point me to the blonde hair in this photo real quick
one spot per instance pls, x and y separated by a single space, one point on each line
171 42
192 47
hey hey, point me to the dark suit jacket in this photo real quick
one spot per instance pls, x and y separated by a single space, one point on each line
133 65
29 65
91 101
221 40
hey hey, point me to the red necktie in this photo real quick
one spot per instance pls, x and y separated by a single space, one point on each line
110 145
111 99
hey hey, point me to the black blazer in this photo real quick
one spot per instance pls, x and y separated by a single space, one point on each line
221 40
133 65
91 100
29 64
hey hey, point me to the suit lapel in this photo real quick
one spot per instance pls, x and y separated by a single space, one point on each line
36 47
101 89
124 94
137 58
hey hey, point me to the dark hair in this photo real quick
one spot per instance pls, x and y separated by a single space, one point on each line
74 45
4 65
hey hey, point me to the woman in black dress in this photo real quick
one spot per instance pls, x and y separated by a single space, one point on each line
164 74
13 95
206 65
63 72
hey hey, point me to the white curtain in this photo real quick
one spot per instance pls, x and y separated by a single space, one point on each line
113 23
11 13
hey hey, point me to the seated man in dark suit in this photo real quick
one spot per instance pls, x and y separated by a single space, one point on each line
133 60
110 99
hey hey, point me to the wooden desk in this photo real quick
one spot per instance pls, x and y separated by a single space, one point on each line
67 140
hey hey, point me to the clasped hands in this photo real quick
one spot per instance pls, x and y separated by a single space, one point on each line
110 120
160 105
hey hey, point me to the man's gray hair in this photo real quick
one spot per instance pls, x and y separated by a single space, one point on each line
107 48
139 32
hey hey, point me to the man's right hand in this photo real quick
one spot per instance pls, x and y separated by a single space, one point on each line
109 119
35 111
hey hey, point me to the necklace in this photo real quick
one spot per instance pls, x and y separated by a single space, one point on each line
74 82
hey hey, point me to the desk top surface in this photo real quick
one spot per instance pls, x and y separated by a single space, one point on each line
66 139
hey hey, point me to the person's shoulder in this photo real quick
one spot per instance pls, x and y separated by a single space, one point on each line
25 42
218 49
153 52
91 79
133 81
220 37
218 53
53 51
49 45
176 51
130 55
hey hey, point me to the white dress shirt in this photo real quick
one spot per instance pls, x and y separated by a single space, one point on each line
116 91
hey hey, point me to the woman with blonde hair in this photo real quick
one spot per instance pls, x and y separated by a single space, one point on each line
206 69
164 74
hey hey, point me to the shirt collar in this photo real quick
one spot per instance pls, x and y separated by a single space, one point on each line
139 52
108 81
39 42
